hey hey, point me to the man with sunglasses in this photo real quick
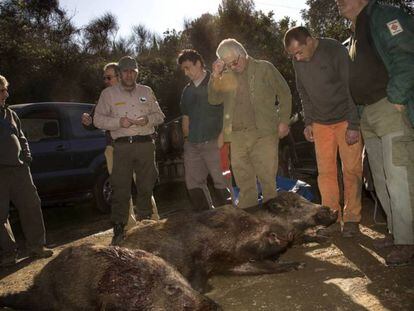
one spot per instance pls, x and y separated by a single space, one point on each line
16 186
110 78
249 90
331 119
130 112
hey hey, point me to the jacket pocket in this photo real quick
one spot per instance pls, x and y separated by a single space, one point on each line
403 150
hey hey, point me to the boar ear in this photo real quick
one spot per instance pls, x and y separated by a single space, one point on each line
272 237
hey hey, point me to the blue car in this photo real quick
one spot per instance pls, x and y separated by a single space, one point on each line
68 160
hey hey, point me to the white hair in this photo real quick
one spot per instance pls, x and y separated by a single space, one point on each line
230 47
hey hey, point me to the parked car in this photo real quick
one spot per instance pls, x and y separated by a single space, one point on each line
68 160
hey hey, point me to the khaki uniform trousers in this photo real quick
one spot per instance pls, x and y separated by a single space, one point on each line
109 156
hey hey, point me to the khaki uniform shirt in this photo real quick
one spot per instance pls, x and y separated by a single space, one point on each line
116 102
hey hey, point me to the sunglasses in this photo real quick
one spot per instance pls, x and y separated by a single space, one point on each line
109 78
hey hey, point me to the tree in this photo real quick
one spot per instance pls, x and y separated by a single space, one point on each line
99 35
201 34
323 19
43 43
142 39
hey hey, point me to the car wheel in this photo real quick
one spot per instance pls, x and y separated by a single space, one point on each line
102 192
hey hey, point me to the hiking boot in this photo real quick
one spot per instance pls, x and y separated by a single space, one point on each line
329 231
119 234
381 243
400 255
350 229
40 252
8 261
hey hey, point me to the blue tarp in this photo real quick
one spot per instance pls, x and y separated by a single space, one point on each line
285 184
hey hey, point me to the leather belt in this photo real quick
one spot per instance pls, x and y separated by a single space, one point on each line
134 139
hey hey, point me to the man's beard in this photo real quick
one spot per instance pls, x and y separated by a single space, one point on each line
128 86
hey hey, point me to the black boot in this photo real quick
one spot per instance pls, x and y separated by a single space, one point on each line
119 234
221 197
198 199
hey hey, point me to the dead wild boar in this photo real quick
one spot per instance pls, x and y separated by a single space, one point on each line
301 214
219 241
90 277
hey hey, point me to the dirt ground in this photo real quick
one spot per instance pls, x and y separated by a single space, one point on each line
344 274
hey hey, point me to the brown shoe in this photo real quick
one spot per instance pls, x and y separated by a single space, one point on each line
40 252
381 243
400 255
350 229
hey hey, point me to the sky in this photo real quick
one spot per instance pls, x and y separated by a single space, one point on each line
160 15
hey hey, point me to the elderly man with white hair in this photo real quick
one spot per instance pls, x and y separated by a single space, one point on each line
253 124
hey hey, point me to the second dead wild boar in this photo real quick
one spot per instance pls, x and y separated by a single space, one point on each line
90 277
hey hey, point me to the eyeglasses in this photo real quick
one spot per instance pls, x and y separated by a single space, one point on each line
233 63
109 78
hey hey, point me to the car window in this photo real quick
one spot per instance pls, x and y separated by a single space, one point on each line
78 130
41 125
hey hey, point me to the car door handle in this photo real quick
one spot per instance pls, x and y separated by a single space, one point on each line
60 148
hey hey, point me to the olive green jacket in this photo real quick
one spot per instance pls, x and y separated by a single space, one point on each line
266 86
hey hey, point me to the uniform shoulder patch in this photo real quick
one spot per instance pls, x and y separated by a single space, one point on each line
395 27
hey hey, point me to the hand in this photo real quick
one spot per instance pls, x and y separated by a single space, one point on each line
283 129
141 121
308 132
86 119
125 122
351 137
399 107
218 68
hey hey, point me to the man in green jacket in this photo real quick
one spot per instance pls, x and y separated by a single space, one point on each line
382 83
249 89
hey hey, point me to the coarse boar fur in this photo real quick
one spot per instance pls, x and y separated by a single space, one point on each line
292 209
223 240
108 278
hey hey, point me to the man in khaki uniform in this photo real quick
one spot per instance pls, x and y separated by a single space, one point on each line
130 111
249 89
111 78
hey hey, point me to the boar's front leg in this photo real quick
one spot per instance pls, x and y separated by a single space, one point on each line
198 278
266 267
